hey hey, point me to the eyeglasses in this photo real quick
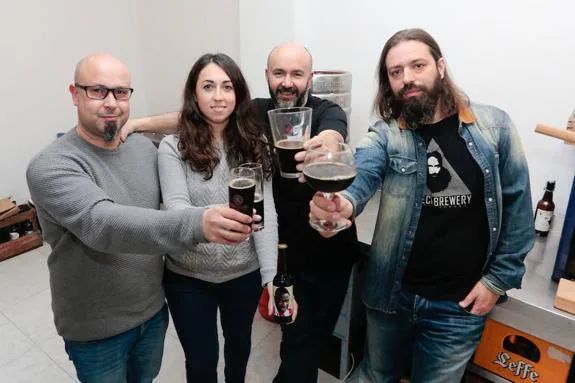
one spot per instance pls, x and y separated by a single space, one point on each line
100 92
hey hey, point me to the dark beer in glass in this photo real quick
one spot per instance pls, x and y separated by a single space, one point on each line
290 129
259 192
242 189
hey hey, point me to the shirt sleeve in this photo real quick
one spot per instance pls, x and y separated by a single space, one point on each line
371 162
332 117
266 240
68 197
516 232
172 174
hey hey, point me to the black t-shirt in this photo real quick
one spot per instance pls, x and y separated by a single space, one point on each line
306 248
450 245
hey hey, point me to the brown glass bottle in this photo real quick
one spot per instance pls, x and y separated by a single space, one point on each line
282 289
544 211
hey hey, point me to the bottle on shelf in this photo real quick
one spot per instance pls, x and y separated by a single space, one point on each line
544 211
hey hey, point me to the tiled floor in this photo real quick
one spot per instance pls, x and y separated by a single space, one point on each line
32 351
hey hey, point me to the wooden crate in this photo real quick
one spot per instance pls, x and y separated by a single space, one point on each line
26 242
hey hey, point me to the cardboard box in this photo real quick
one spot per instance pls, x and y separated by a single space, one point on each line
520 357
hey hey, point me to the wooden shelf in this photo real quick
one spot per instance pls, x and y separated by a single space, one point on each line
18 246
26 242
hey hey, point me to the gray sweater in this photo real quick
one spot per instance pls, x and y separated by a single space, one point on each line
183 188
98 212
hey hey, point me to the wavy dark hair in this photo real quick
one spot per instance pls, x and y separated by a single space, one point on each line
386 104
244 138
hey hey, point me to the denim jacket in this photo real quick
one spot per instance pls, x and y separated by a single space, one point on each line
395 159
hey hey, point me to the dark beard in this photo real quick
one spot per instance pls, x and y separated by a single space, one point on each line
420 109
300 100
110 130
438 182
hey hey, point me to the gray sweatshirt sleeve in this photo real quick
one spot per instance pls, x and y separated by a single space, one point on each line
266 240
67 196
172 173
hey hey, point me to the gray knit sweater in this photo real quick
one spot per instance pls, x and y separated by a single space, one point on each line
183 188
96 208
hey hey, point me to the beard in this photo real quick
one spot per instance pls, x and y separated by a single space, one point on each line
300 100
110 130
420 109
438 182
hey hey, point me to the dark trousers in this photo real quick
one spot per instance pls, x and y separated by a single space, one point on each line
194 303
320 294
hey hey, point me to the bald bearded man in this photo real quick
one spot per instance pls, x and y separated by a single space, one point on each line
97 202
320 267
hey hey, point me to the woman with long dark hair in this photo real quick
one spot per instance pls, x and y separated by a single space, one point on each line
218 130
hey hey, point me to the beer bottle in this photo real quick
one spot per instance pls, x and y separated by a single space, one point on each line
282 289
544 211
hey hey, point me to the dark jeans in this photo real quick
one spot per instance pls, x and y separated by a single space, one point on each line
134 356
437 337
194 304
320 294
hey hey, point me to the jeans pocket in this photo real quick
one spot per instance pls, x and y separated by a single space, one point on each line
467 311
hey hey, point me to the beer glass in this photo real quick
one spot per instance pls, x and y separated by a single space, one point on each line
259 192
242 187
329 168
290 129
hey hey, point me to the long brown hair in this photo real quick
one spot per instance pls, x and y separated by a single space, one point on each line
386 104
244 138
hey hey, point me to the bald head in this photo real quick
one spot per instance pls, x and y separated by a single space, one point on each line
292 51
289 75
97 79
103 63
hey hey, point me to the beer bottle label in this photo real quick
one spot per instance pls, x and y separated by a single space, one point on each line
283 301
543 220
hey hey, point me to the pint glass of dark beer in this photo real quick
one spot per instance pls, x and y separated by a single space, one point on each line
259 192
290 129
242 188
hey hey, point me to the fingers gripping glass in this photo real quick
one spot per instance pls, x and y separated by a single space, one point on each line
100 92
259 192
329 168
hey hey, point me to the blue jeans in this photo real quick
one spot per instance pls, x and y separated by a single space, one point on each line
438 337
134 356
194 304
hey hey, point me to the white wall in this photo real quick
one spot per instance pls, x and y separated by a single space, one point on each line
263 25
515 54
174 35
40 44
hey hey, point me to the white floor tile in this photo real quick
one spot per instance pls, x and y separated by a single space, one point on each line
22 277
54 348
264 359
13 345
173 364
33 316
34 366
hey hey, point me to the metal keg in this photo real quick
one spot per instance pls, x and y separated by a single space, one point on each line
334 85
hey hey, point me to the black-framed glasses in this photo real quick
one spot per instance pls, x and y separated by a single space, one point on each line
100 92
